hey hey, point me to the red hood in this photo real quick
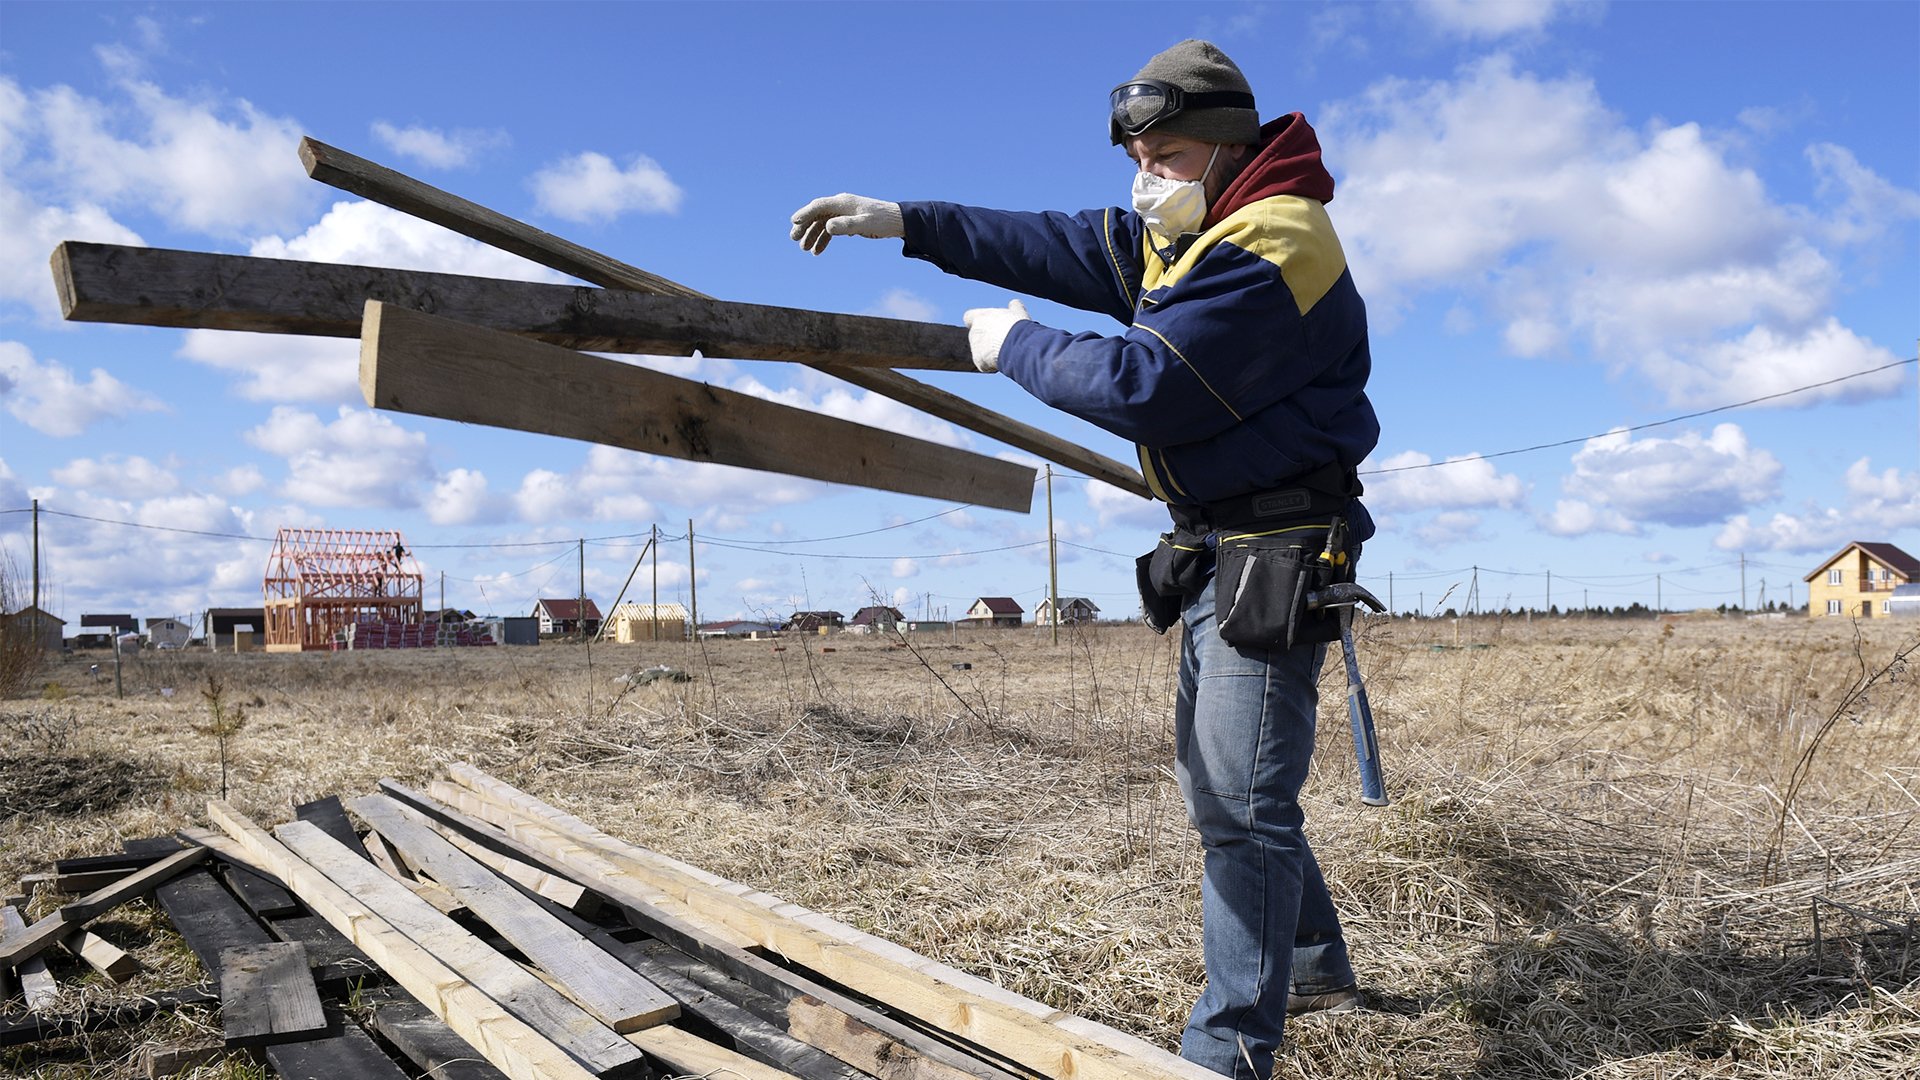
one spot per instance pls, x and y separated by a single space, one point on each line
1287 163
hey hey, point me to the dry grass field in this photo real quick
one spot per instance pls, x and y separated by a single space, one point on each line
1583 873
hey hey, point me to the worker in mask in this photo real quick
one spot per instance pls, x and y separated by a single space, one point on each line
1240 374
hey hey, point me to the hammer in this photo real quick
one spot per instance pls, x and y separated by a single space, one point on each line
1341 599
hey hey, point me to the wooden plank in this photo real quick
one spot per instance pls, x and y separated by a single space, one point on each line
111 283
122 862
609 990
428 366
266 897
331 816
207 916
78 883
465 801
682 1054
362 177
267 995
535 843
42 935
834 1032
427 1042
569 1027
386 858
1019 1030
36 982
17 1031
340 1051
369 180
571 895
515 1048
162 1061
101 955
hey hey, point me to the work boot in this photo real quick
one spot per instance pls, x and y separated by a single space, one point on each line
1346 999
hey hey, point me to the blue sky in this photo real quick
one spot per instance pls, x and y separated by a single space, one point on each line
1567 218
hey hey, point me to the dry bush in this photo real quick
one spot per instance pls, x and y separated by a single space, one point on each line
1577 878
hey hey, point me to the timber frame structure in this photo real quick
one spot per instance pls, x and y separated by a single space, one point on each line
319 582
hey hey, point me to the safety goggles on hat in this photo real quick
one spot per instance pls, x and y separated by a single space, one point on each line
1140 104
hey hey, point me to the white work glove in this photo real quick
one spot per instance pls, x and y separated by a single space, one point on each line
845 215
987 330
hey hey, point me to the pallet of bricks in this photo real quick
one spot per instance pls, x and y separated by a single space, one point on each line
421 635
478 932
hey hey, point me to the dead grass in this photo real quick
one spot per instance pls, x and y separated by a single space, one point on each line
1576 878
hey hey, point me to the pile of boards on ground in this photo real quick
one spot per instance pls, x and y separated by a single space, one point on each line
479 932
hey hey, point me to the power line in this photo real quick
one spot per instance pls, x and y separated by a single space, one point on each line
1645 426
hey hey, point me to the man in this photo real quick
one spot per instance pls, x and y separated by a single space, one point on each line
1241 377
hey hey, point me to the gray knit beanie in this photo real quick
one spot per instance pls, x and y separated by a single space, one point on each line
1199 67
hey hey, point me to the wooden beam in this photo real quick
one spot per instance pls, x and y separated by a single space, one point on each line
424 1040
42 935
383 185
113 283
515 1048
267 995
569 1027
567 893
613 992
369 180
1017 1028
428 366
535 843
36 982
18 1030
101 955
331 816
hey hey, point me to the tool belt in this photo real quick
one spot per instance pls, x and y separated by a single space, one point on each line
1265 552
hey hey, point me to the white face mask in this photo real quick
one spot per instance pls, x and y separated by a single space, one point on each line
1172 207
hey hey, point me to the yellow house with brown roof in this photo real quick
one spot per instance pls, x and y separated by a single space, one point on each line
1859 581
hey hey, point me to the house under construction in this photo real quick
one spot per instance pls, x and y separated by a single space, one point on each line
321 583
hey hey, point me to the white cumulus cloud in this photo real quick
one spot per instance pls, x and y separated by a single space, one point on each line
590 187
435 148
46 396
118 476
1405 482
1687 480
359 459
1482 20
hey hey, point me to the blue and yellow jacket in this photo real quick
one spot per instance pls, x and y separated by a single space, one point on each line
1244 364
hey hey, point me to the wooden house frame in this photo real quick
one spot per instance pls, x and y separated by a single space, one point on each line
319 582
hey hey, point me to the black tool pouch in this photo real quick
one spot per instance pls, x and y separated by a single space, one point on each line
1260 593
1175 569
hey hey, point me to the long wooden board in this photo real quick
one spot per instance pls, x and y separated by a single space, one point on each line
36 982
404 193
609 990
508 1042
1021 1030
428 366
267 995
43 934
571 1028
539 845
114 283
101 955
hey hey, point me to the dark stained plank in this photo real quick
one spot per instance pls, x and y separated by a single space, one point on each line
331 816
341 1052
208 917
110 283
43 934
87 864
18 1030
429 366
267 995
265 898
425 1039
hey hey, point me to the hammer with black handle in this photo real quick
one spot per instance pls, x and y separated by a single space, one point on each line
1341 599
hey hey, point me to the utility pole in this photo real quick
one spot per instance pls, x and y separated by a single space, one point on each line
1743 581
38 633
693 590
1659 603
580 616
1053 563
1549 590
440 627
656 583
1389 594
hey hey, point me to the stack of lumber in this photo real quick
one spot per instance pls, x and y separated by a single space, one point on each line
390 634
486 933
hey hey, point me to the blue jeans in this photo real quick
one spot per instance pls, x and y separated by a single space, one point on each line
1243 734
